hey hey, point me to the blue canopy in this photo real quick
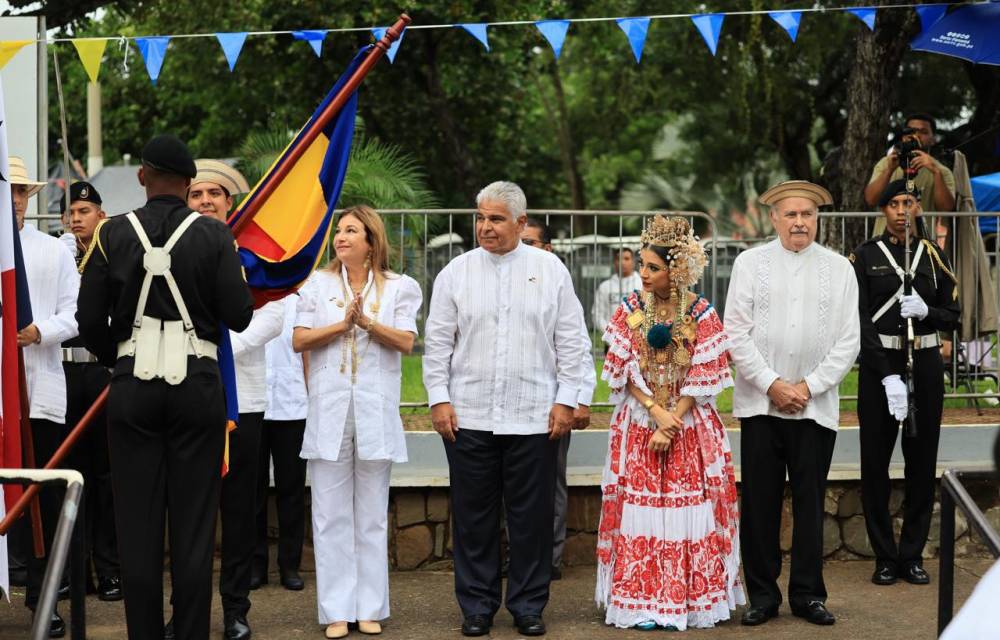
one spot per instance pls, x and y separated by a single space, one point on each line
986 193
969 32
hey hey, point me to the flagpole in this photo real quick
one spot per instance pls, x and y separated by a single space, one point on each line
308 136
381 47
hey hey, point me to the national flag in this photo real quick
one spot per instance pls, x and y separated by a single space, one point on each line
285 240
15 309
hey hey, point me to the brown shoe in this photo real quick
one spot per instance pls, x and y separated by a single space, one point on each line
336 630
370 627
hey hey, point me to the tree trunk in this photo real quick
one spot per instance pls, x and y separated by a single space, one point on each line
566 147
871 90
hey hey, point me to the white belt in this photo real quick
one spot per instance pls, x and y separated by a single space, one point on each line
77 355
209 349
928 341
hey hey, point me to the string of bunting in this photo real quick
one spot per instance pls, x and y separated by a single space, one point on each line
153 49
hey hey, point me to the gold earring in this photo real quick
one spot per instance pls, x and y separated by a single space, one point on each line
368 260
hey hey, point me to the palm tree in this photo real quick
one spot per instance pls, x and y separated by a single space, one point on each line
379 174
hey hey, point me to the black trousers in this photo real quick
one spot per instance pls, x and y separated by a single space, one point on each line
84 382
46 436
768 447
518 472
166 445
281 441
878 438
239 515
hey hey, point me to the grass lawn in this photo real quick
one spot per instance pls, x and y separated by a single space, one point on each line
413 389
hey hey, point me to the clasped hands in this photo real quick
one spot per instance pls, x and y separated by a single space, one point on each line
787 397
668 425
355 314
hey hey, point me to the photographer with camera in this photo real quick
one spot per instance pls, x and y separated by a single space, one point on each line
932 179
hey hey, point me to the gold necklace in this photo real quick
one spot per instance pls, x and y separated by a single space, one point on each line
663 366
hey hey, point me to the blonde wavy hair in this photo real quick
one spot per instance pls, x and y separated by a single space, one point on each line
377 239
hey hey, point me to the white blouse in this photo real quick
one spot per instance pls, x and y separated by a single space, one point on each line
794 316
248 353
376 391
286 381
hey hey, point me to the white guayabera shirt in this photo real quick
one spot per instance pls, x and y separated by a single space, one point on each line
792 316
504 340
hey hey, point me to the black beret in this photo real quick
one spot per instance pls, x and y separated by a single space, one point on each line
168 154
84 191
893 189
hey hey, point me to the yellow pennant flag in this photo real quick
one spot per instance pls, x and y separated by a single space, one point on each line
91 51
9 48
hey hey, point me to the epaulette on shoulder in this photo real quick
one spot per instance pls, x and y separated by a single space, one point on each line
935 254
95 242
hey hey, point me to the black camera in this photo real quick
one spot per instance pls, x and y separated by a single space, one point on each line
907 144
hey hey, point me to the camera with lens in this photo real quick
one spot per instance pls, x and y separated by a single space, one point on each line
908 143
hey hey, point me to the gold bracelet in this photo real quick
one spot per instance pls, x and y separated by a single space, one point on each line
648 403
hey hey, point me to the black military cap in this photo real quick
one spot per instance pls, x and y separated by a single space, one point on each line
84 191
893 189
168 154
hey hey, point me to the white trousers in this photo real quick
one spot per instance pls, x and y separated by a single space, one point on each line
350 502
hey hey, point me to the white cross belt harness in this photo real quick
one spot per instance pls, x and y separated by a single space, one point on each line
161 347
899 272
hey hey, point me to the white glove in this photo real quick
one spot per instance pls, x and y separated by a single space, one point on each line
895 393
912 306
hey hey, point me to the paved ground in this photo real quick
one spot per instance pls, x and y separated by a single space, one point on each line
423 607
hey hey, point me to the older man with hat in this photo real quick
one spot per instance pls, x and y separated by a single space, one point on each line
886 311
792 321
156 289
85 380
52 285
211 193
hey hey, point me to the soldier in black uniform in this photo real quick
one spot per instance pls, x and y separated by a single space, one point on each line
882 394
166 411
85 379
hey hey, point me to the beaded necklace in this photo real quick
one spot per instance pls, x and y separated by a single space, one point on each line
349 348
666 345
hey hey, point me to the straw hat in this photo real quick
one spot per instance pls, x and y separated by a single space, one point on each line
222 174
19 175
797 189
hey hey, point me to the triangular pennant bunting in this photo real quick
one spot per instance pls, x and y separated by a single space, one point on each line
153 51
232 45
635 29
9 48
91 50
314 37
866 14
379 33
555 32
477 31
929 14
789 21
709 25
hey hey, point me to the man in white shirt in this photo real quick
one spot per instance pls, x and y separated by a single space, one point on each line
501 365
211 193
792 321
624 280
536 234
53 283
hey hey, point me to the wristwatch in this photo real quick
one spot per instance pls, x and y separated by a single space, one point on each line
648 403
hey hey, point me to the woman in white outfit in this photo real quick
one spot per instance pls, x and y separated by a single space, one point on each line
356 318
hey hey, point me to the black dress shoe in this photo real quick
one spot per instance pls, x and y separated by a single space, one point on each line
168 630
476 625
292 581
237 628
815 612
754 616
885 573
109 589
57 628
257 578
530 625
915 574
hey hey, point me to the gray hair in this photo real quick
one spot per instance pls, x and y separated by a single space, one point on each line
507 193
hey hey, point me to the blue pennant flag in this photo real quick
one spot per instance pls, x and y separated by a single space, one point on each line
635 29
929 14
314 38
379 33
866 14
232 45
709 25
789 21
153 51
555 32
477 31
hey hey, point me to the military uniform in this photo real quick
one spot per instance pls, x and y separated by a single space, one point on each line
166 432
878 265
